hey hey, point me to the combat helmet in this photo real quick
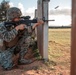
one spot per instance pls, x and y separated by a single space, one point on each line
13 12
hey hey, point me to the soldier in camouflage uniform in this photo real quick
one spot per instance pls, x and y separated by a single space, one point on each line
13 40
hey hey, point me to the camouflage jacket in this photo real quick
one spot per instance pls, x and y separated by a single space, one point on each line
6 35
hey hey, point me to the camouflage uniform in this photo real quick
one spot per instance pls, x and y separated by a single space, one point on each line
7 53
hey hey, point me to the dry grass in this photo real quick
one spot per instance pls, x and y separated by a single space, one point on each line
59 49
61 36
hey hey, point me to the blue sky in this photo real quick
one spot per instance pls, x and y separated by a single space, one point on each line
26 3
33 3
28 7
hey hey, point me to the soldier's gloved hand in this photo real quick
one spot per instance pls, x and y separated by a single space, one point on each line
20 27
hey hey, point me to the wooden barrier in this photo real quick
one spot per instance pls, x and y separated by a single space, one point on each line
73 39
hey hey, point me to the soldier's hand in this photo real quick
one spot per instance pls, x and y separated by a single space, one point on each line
20 27
40 22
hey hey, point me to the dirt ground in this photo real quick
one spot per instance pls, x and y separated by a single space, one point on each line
38 67
58 64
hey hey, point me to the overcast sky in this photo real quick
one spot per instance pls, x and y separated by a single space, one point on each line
60 10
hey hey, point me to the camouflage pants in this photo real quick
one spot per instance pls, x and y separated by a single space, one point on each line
6 56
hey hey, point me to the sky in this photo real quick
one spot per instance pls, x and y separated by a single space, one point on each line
59 10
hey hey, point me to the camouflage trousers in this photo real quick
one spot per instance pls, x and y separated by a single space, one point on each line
6 56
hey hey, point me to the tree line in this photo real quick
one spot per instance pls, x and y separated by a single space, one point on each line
4 6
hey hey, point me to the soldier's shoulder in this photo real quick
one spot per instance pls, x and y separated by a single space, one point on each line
2 25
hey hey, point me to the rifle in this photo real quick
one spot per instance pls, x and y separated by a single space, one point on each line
24 20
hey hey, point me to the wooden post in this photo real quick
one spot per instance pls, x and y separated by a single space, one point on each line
42 31
73 39
36 15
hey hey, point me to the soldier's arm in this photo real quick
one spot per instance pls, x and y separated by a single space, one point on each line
7 35
40 22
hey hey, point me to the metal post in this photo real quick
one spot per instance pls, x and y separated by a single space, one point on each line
42 31
45 30
40 28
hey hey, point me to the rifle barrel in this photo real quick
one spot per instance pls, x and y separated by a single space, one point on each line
49 20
